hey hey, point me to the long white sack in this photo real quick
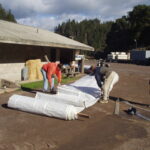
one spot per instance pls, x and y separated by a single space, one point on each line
75 100
82 93
69 96
48 108
84 97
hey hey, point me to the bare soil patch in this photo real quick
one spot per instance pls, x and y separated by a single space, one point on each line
105 131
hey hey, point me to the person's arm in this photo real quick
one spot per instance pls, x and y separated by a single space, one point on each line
59 77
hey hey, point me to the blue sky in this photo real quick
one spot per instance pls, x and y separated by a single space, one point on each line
48 14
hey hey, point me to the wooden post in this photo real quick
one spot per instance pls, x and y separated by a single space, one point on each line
46 58
57 55
149 87
82 65
83 115
116 111
1 84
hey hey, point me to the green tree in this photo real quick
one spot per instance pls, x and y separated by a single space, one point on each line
118 38
90 32
110 36
6 15
140 24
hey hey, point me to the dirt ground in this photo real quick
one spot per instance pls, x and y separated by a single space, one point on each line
103 131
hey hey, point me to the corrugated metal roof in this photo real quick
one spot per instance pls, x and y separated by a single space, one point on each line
20 34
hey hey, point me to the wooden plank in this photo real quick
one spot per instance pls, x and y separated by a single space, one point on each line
84 115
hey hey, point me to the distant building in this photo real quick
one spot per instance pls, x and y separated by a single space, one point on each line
118 56
140 55
19 43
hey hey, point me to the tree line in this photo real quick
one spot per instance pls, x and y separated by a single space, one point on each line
125 33
6 15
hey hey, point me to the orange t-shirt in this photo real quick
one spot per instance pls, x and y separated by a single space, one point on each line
51 69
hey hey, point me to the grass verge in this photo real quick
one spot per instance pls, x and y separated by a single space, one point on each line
39 84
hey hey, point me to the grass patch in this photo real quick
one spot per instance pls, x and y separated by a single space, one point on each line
39 84
32 85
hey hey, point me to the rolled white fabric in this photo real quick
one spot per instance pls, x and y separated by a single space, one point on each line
79 98
69 90
75 100
69 95
70 100
48 108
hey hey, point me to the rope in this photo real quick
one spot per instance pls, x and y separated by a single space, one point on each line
126 102
143 117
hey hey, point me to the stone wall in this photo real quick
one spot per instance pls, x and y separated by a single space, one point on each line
11 71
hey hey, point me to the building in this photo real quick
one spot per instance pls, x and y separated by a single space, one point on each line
118 56
19 43
140 55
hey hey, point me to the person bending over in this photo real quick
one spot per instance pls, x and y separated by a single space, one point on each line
50 70
106 79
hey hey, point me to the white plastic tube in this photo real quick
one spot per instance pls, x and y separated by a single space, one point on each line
69 95
62 98
81 99
70 100
48 108
69 90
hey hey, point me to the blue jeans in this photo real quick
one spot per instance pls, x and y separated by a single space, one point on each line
45 84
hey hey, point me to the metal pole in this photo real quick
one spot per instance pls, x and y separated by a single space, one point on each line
135 43
82 65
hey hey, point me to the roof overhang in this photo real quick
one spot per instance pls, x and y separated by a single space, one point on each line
46 44
13 33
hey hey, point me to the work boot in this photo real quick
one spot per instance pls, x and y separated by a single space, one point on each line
101 98
45 91
53 91
104 101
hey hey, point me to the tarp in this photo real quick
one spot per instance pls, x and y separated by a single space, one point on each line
70 100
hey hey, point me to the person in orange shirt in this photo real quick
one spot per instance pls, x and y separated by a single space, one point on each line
48 71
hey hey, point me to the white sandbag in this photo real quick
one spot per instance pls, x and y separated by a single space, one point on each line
48 108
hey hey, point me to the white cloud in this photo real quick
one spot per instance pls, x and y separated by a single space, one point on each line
25 8
42 22
48 22
48 13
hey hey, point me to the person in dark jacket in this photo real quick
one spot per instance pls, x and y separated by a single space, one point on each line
106 79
